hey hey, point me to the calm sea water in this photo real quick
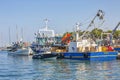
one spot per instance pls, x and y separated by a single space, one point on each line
25 68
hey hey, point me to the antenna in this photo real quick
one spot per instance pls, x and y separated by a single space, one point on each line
46 22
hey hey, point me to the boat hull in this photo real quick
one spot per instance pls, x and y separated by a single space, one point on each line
92 56
44 56
117 49
19 52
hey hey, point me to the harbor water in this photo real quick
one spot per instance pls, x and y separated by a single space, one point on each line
25 68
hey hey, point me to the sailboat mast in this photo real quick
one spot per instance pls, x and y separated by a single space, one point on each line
22 33
1 40
17 33
9 36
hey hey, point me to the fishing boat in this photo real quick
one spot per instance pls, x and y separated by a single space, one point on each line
45 38
86 48
117 45
116 42
18 49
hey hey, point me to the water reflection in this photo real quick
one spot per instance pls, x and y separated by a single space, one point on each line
26 68
94 70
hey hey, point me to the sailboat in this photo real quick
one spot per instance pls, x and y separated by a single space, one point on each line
19 48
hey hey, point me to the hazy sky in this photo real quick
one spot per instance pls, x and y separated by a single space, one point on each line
63 14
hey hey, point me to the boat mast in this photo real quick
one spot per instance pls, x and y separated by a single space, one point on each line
17 33
9 36
1 40
77 31
22 34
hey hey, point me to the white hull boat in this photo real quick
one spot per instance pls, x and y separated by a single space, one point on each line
23 51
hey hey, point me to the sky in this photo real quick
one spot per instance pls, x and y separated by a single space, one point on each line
29 15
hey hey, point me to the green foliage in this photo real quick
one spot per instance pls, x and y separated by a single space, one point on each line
109 31
96 33
116 34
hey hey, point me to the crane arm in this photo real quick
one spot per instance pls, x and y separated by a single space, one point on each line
115 28
100 15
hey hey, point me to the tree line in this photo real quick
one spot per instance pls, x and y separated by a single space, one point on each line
96 33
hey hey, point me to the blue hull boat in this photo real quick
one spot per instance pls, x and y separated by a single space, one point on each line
117 49
92 56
